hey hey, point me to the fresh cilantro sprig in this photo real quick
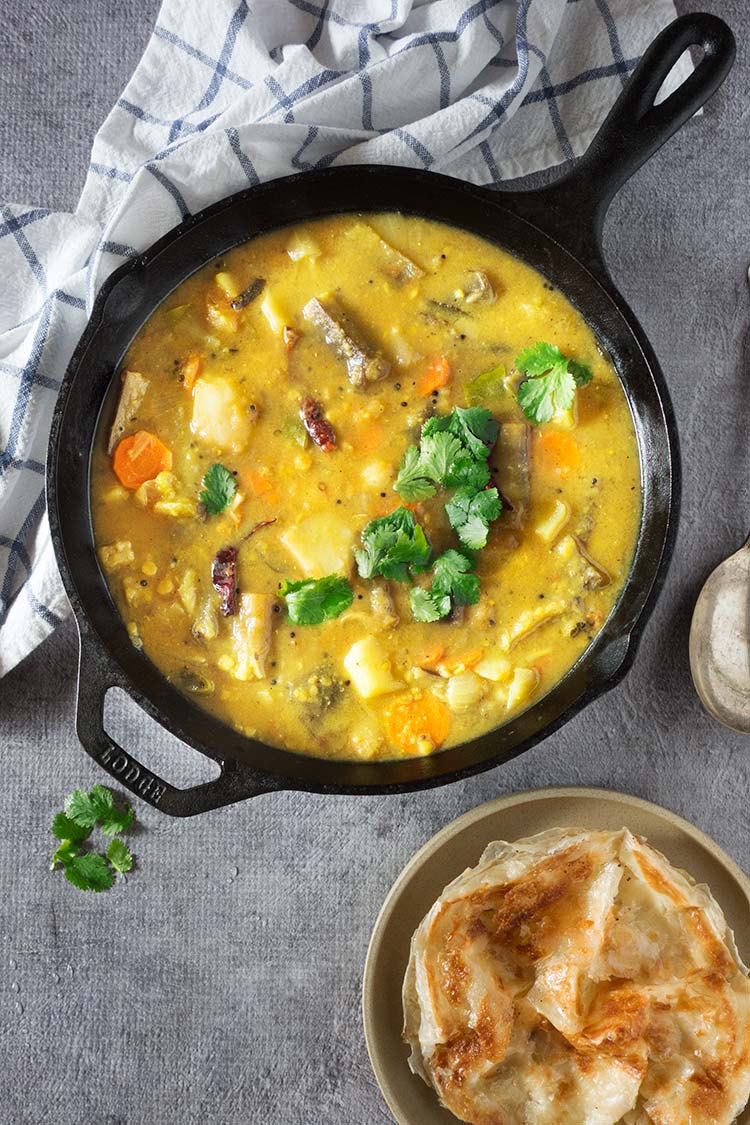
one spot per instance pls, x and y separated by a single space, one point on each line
312 601
551 381
452 452
391 546
219 487
91 871
98 807
470 514
452 583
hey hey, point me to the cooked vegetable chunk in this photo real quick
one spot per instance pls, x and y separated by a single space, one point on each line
132 394
368 665
251 632
321 545
219 418
363 363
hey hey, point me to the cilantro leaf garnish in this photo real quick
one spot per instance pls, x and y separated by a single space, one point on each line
67 830
391 545
411 482
470 513
426 605
97 806
452 452
452 584
89 872
314 600
453 577
551 380
219 487
79 808
67 851
474 426
120 856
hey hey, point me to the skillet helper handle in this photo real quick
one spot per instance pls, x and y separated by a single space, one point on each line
635 127
235 783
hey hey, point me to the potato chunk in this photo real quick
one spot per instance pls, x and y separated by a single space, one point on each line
218 418
321 545
522 687
369 669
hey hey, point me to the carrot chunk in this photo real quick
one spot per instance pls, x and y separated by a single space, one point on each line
418 723
432 658
559 453
140 457
258 483
190 370
458 664
436 376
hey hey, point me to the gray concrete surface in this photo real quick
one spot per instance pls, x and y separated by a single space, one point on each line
222 982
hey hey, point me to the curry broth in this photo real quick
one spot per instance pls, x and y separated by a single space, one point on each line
543 596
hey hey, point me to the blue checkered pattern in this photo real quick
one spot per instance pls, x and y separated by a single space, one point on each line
235 92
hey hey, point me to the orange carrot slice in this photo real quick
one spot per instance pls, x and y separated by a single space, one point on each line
557 452
140 457
436 376
256 482
418 723
463 663
431 658
190 370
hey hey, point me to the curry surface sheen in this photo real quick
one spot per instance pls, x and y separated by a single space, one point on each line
223 385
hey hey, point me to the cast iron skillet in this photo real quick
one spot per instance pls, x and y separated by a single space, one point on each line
558 231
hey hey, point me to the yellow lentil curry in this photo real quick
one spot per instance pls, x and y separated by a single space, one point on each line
366 487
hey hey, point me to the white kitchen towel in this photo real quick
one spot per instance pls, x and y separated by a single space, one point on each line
231 93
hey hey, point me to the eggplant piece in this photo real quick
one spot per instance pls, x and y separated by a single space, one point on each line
364 364
513 465
251 633
132 394
243 299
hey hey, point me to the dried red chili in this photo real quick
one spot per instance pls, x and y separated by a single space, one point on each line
317 425
224 580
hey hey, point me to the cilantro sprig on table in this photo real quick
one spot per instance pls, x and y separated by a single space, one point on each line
88 870
551 381
219 487
311 601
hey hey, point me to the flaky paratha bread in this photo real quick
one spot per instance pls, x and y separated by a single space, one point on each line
577 978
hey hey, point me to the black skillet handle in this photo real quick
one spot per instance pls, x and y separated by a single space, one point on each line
235 783
635 128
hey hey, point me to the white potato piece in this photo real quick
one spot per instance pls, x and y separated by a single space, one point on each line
228 284
303 245
275 313
218 418
369 669
550 527
522 687
321 545
493 666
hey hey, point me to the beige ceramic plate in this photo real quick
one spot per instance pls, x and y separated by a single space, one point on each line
459 846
